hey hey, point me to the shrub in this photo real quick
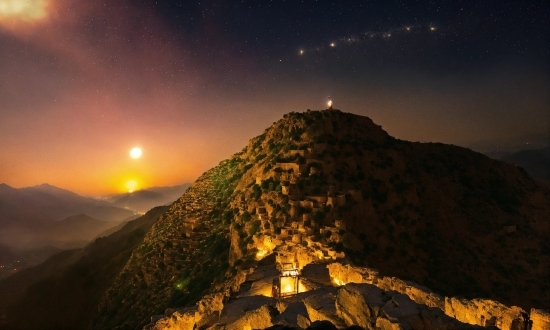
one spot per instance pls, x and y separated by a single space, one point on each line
245 217
254 228
259 157
256 192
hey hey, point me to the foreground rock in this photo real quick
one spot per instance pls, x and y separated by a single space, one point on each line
540 318
361 305
367 300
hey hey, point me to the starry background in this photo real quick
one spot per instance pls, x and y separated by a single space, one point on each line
83 82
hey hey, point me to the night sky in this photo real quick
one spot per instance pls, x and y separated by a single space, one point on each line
190 82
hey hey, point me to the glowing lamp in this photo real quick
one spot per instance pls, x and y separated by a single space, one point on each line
288 282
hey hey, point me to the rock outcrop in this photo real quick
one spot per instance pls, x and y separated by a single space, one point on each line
369 307
362 305
184 319
485 312
367 300
342 274
323 186
482 312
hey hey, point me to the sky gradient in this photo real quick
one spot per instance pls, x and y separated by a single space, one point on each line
83 82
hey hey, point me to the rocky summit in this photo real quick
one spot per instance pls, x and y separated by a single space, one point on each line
326 221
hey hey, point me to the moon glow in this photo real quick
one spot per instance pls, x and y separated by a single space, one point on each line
135 153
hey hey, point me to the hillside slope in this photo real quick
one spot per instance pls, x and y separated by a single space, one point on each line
65 290
443 216
27 215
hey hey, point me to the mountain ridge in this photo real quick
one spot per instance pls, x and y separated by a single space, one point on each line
327 188
406 205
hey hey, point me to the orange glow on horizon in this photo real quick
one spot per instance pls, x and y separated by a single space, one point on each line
131 185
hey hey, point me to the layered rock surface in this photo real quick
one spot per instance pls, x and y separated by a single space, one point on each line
353 304
324 185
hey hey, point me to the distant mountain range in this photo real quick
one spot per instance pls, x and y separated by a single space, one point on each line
76 278
34 218
46 203
43 215
535 161
145 199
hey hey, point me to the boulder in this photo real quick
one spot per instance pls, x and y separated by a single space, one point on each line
243 310
260 318
303 321
343 274
321 307
261 281
211 303
370 307
294 314
401 309
418 293
359 304
177 320
485 313
385 324
348 274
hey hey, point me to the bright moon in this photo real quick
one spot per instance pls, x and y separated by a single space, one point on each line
135 153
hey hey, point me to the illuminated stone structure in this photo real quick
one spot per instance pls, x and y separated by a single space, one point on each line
287 283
